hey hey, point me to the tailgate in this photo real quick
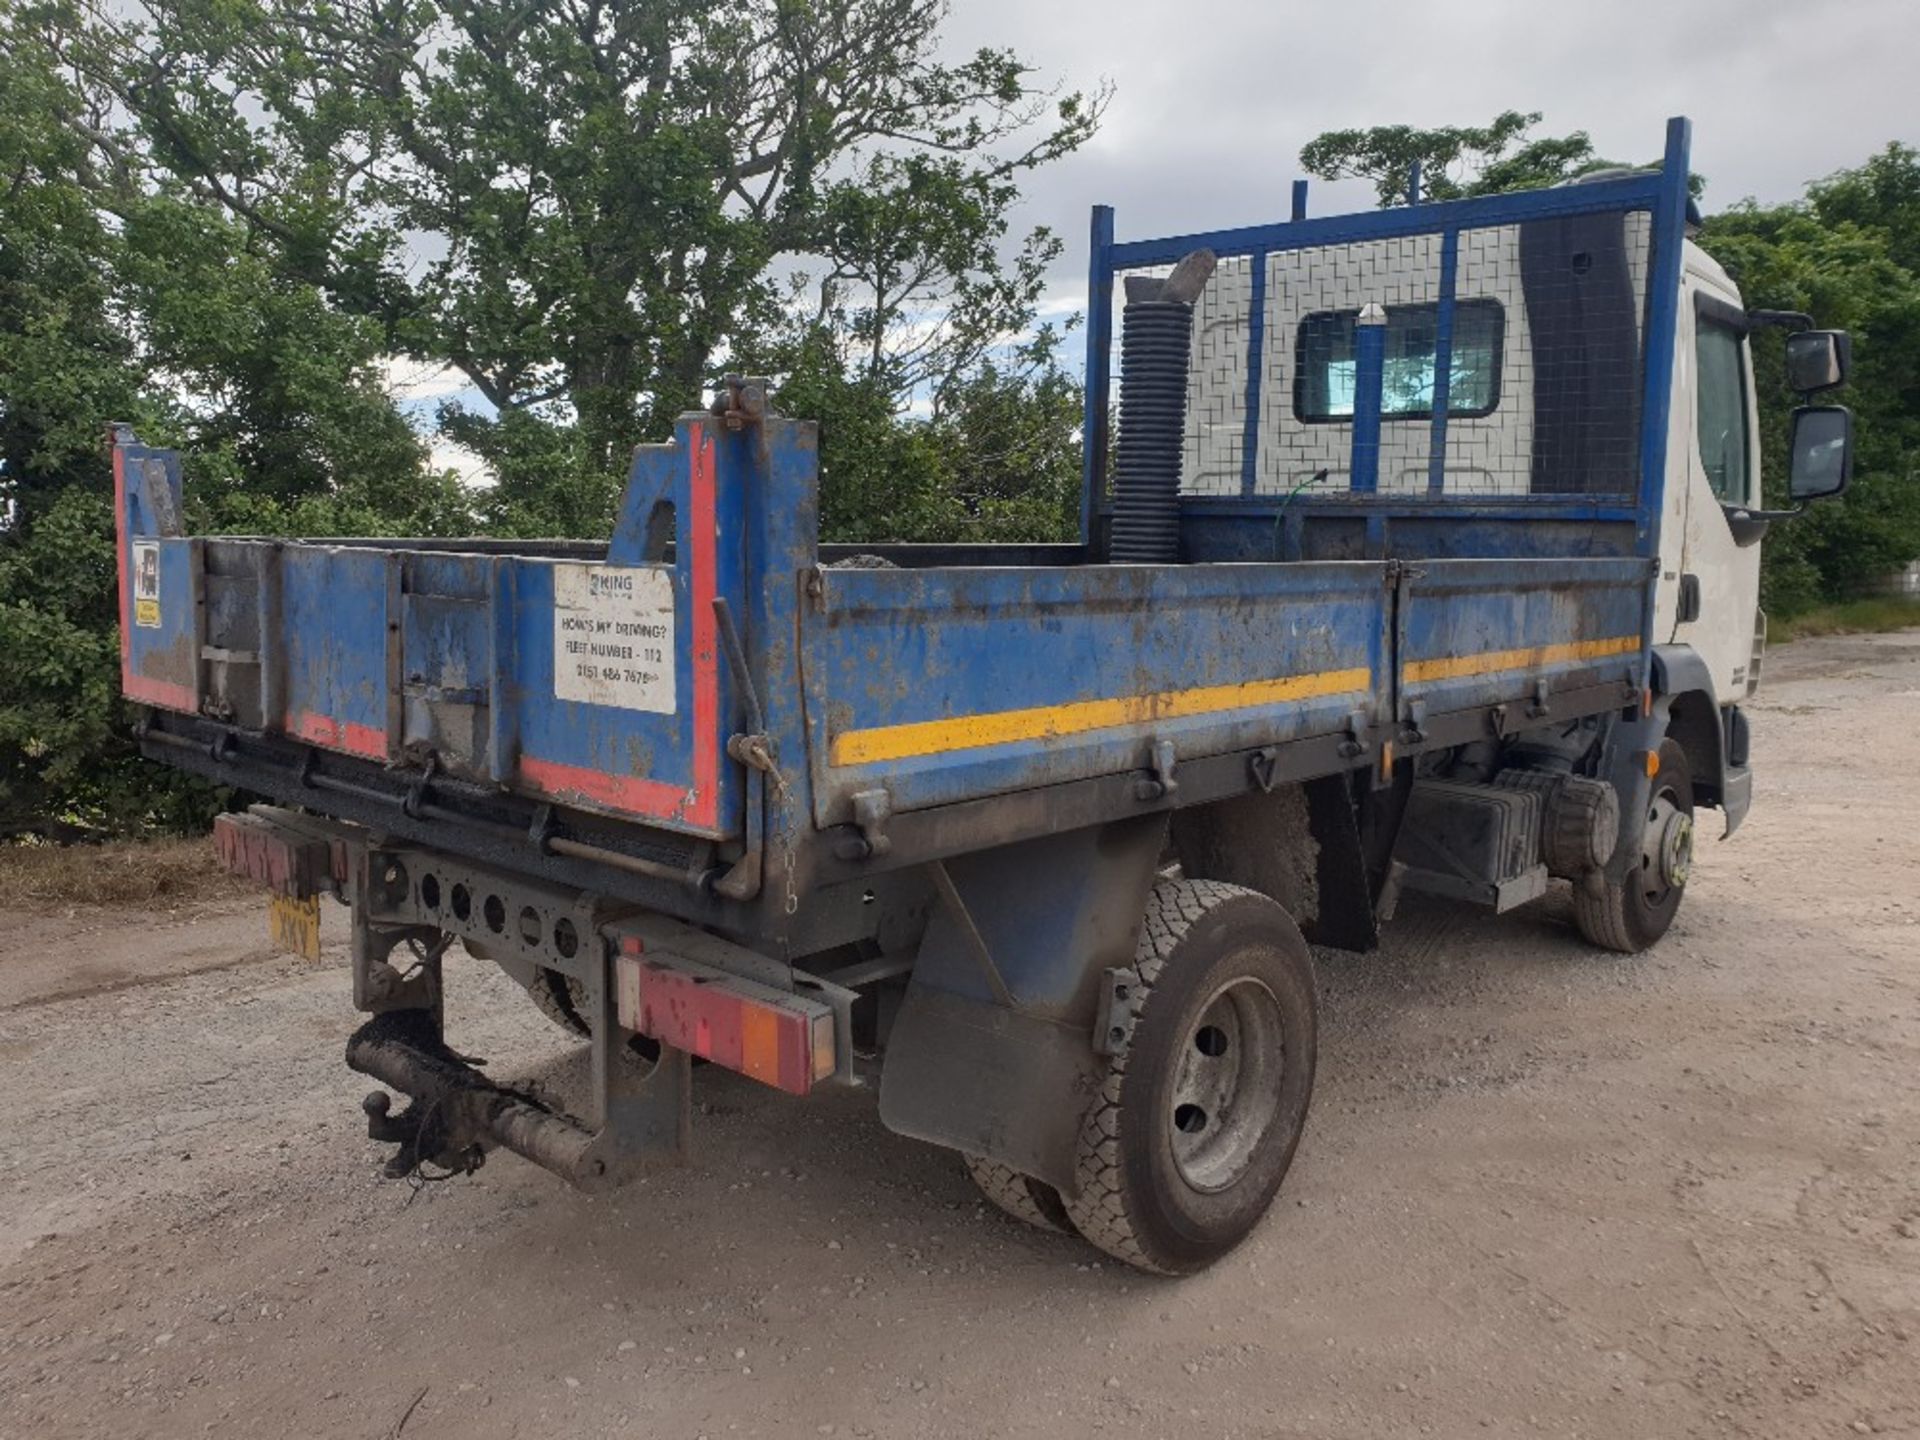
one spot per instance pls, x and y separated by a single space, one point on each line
595 681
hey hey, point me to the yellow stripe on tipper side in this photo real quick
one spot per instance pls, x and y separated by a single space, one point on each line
1045 722
1491 662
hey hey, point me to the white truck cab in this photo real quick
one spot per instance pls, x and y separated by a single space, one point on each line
1545 326
1709 595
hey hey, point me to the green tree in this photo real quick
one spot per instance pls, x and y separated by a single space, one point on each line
999 460
1847 255
123 300
586 206
1454 160
67 366
1457 162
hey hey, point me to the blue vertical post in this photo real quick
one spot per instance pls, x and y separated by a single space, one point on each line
1413 183
1093 444
1663 322
1369 373
1443 361
1299 200
1256 356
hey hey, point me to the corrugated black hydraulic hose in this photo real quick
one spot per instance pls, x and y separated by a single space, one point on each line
1156 340
1156 337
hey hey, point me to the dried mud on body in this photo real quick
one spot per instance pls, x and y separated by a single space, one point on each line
1543 1191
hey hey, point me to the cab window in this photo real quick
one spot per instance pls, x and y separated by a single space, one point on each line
1720 405
1325 367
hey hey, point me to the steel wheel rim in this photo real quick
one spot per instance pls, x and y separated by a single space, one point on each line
1666 848
1226 1087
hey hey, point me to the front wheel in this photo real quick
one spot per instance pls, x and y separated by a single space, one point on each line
1631 913
1198 1116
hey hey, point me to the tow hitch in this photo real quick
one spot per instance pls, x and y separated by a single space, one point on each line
457 1114
692 993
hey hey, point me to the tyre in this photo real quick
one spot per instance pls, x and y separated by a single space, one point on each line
552 993
1630 914
1197 1118
560 998
1024 1198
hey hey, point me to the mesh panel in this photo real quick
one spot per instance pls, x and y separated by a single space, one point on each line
1217 388
1308 290
1542 359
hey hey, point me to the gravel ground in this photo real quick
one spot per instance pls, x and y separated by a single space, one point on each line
1543 1191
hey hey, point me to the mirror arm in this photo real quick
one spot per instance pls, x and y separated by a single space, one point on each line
1783 319
1748 525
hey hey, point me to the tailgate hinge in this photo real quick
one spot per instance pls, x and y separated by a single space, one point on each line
1160 760
871 811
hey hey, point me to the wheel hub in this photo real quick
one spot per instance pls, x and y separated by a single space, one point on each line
1226 1090
1676 849
1666 847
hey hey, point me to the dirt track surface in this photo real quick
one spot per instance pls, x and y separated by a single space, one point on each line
1543 1191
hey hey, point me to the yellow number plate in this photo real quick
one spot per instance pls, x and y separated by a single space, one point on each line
294 925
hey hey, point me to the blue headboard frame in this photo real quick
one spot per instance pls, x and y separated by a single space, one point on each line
1661 192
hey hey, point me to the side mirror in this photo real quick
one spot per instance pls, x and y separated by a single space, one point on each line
1819 360
1821 450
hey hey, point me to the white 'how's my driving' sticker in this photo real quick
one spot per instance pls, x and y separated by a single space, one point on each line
613 636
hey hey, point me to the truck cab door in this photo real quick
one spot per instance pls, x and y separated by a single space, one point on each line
1716 608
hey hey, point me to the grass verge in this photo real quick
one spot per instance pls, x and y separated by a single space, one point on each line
1852 617
146 872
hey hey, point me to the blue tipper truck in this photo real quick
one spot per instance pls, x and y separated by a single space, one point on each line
1419 552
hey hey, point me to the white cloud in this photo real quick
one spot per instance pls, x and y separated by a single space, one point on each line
417 388
415 383
1210 108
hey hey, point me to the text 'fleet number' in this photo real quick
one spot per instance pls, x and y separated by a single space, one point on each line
613 636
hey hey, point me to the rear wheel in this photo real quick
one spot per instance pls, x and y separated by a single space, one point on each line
1633 912
1198 1117
553 995
1024 1198
561 998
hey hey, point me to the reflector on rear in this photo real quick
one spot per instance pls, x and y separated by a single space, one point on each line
769 1035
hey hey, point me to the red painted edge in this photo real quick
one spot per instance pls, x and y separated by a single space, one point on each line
696 806
334 734
293 865
637 793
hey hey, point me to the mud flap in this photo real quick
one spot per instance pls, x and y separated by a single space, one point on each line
1623 764
992 1053
1301 846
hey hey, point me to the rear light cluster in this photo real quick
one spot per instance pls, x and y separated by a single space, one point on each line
284 861
769 1035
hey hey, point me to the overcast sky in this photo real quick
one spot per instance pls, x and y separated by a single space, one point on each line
1213 102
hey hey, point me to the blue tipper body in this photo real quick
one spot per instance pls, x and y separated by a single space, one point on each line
949 677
